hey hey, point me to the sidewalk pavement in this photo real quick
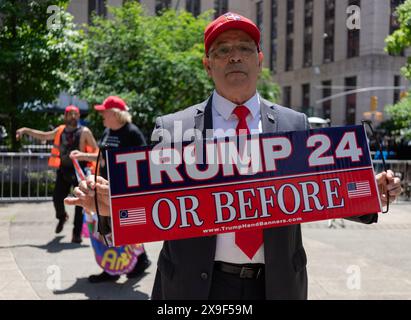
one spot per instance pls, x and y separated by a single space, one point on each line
355 262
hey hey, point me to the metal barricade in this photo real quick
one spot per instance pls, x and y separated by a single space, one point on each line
25 177
401 169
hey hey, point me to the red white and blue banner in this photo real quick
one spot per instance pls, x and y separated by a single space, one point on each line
208 187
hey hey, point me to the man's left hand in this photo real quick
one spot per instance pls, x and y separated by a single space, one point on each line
386 181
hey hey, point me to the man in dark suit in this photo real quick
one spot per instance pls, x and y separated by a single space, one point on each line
263 264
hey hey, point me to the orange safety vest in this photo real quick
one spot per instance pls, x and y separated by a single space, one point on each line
55 161
91 164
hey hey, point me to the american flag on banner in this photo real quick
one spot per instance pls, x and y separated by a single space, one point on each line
358 189
131 217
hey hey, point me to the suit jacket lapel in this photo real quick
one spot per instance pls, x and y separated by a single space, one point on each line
269 117
204 117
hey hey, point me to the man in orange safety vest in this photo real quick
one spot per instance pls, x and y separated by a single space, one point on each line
67 137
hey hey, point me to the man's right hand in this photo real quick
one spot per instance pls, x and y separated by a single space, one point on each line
85 192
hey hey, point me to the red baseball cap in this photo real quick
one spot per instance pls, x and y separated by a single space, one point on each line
112 102
230 21
72 108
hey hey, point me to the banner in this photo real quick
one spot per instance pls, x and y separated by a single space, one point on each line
213 186
113 260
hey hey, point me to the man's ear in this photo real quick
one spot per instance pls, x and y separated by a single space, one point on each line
206 64
260 59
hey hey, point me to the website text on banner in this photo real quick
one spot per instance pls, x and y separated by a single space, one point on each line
244 182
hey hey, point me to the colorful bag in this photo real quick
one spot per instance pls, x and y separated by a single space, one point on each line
114 260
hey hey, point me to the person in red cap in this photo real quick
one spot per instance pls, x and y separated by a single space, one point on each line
244 265
66 137
119 132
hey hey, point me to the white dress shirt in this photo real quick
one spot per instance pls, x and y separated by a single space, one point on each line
224 124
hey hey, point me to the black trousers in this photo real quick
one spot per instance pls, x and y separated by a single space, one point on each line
227 286
64 181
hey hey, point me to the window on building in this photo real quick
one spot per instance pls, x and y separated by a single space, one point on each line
220 7
394 23
290 16
290 36
327 104
162 5
289 47
308 51
287 96
305 102
97 7
259 20
273 38
308 33
397 92
329 29
353 36
350 100
193 6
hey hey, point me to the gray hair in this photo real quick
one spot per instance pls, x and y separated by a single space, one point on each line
122 116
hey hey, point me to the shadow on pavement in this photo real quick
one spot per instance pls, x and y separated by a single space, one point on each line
108 290
54 246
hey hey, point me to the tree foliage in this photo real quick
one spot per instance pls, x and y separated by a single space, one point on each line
153 62
35 50
400 113
400 39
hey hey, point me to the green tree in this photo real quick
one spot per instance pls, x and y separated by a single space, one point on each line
400 113
267 88
400 122
153 62
36 42
400 39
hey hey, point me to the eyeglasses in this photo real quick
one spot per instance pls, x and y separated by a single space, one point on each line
224 51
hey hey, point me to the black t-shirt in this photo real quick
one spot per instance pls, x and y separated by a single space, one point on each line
127 136
69 141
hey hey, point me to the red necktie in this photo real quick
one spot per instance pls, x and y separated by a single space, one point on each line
248 241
